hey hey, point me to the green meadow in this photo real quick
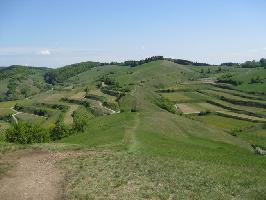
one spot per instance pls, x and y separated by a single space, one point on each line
136 143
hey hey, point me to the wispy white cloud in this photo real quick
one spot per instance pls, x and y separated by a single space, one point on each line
23 51
31 51
38 56
44 52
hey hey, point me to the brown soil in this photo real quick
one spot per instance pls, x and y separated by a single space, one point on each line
186 109
34 176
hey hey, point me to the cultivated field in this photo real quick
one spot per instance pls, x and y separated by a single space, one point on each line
159 130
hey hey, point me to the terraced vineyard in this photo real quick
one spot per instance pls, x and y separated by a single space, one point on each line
159 130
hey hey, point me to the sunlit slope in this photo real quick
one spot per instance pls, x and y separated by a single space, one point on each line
150 126
164 72
158 74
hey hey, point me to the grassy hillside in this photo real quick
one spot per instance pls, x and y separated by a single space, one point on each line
165 140
60 75
158 130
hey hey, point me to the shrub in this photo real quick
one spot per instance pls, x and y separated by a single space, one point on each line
80 119
25 133
60 107
111 92
6 118
228 78
256 80
60 131
33 109
95 97
202 113
111 105
235 131
250 64
165 104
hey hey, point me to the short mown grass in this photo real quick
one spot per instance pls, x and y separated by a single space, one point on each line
224 123
182 97
104 132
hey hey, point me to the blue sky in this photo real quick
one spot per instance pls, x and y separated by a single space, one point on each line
56 32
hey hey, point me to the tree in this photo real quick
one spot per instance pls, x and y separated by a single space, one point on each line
134 63
87 90
263 62
25 91
250 64
230 64
80 119
256 80
228 78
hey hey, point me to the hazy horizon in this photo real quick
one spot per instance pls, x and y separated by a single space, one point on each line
52 34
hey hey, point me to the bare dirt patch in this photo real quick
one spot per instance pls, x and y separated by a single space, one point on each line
34 176
186 109
78 96
53 97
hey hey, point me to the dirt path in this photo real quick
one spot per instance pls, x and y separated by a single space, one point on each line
35 176
78 96
14 115
68 118
130 139
17 113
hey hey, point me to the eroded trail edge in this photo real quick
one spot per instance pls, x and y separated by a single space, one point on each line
34 176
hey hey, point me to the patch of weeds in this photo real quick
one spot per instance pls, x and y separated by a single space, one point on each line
235 131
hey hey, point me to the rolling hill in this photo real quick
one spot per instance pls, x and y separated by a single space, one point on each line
155 130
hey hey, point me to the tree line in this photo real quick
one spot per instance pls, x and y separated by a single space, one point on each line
134 63
186 62
248 64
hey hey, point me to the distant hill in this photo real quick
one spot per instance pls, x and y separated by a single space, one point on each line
18 81
21 81
54 76
20 70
